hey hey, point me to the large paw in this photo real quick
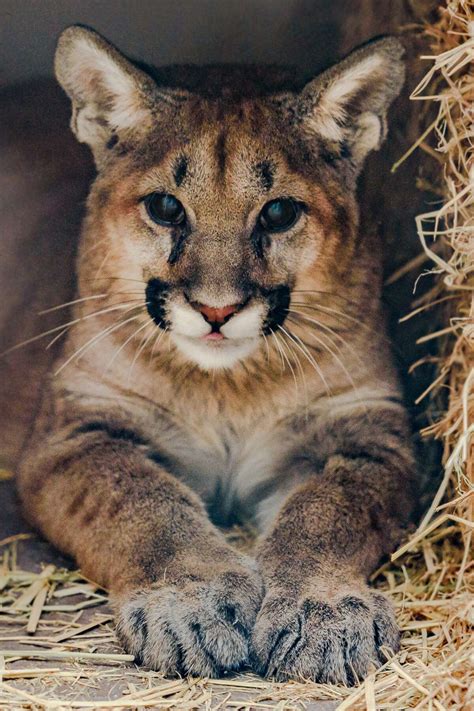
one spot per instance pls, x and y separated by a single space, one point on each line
194 627
335 641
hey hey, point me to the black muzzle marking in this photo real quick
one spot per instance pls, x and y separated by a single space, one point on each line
279 302
156 293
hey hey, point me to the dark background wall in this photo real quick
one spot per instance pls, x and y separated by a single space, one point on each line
301 32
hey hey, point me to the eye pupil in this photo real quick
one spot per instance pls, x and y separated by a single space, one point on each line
165 209
279 215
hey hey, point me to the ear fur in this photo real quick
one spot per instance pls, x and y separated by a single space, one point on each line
110 96
347 105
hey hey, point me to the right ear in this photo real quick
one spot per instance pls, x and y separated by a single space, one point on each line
111 98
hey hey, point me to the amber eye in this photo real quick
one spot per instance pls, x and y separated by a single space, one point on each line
165 209
279 215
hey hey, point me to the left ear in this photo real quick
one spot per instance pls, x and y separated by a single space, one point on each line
347 105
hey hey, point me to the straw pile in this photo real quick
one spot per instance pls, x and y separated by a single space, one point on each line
57 645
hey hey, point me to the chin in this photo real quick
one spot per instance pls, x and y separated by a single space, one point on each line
215 355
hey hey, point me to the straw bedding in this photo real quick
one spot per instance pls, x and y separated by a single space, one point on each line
57 645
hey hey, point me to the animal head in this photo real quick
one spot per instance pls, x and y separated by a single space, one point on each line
224 191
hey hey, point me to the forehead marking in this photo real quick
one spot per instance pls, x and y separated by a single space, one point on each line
265 172
180 170
221 152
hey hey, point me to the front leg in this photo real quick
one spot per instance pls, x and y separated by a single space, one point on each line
319 620
185 601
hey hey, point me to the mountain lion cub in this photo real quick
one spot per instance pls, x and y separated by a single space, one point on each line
225 361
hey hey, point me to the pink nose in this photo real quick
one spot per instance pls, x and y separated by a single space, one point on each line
213 315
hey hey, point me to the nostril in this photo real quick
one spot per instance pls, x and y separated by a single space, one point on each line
216 315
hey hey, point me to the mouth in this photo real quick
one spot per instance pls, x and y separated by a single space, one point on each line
216 337
213 337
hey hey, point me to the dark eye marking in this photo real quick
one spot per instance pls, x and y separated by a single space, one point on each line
180 170
178 236
265 172
113 140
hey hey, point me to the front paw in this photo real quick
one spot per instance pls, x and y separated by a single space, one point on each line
197 627
333 640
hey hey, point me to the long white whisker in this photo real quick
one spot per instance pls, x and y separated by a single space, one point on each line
111 361
139 350
301 346
87 298
93 247
279 351
102 264
320 293
267 347
339 362
328 309
116 278
56 338
283 345
336 358
71 303
298 363
341 314
334 333
62 326
158 338
80 351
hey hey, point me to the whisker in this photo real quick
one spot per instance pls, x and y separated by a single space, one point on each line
341 314
93 247
283 345
70 303
68 325
115 278
111 361
102 264
80 351
161 333
265 340
302 347
319 324
298 362
336 358
86 298
56 338
326 309
140 349
340 363
332 294
279 351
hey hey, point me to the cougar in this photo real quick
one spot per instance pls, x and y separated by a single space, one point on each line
223 360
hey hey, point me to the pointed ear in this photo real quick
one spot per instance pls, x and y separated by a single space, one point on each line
111 98
347 105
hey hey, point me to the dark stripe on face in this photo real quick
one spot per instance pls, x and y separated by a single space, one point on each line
265 172
178 238
113 140
260 241
180 170
278 303
156 293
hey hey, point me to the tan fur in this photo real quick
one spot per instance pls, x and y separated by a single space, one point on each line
141 428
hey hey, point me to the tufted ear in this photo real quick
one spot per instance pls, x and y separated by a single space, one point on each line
111 98
347 104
